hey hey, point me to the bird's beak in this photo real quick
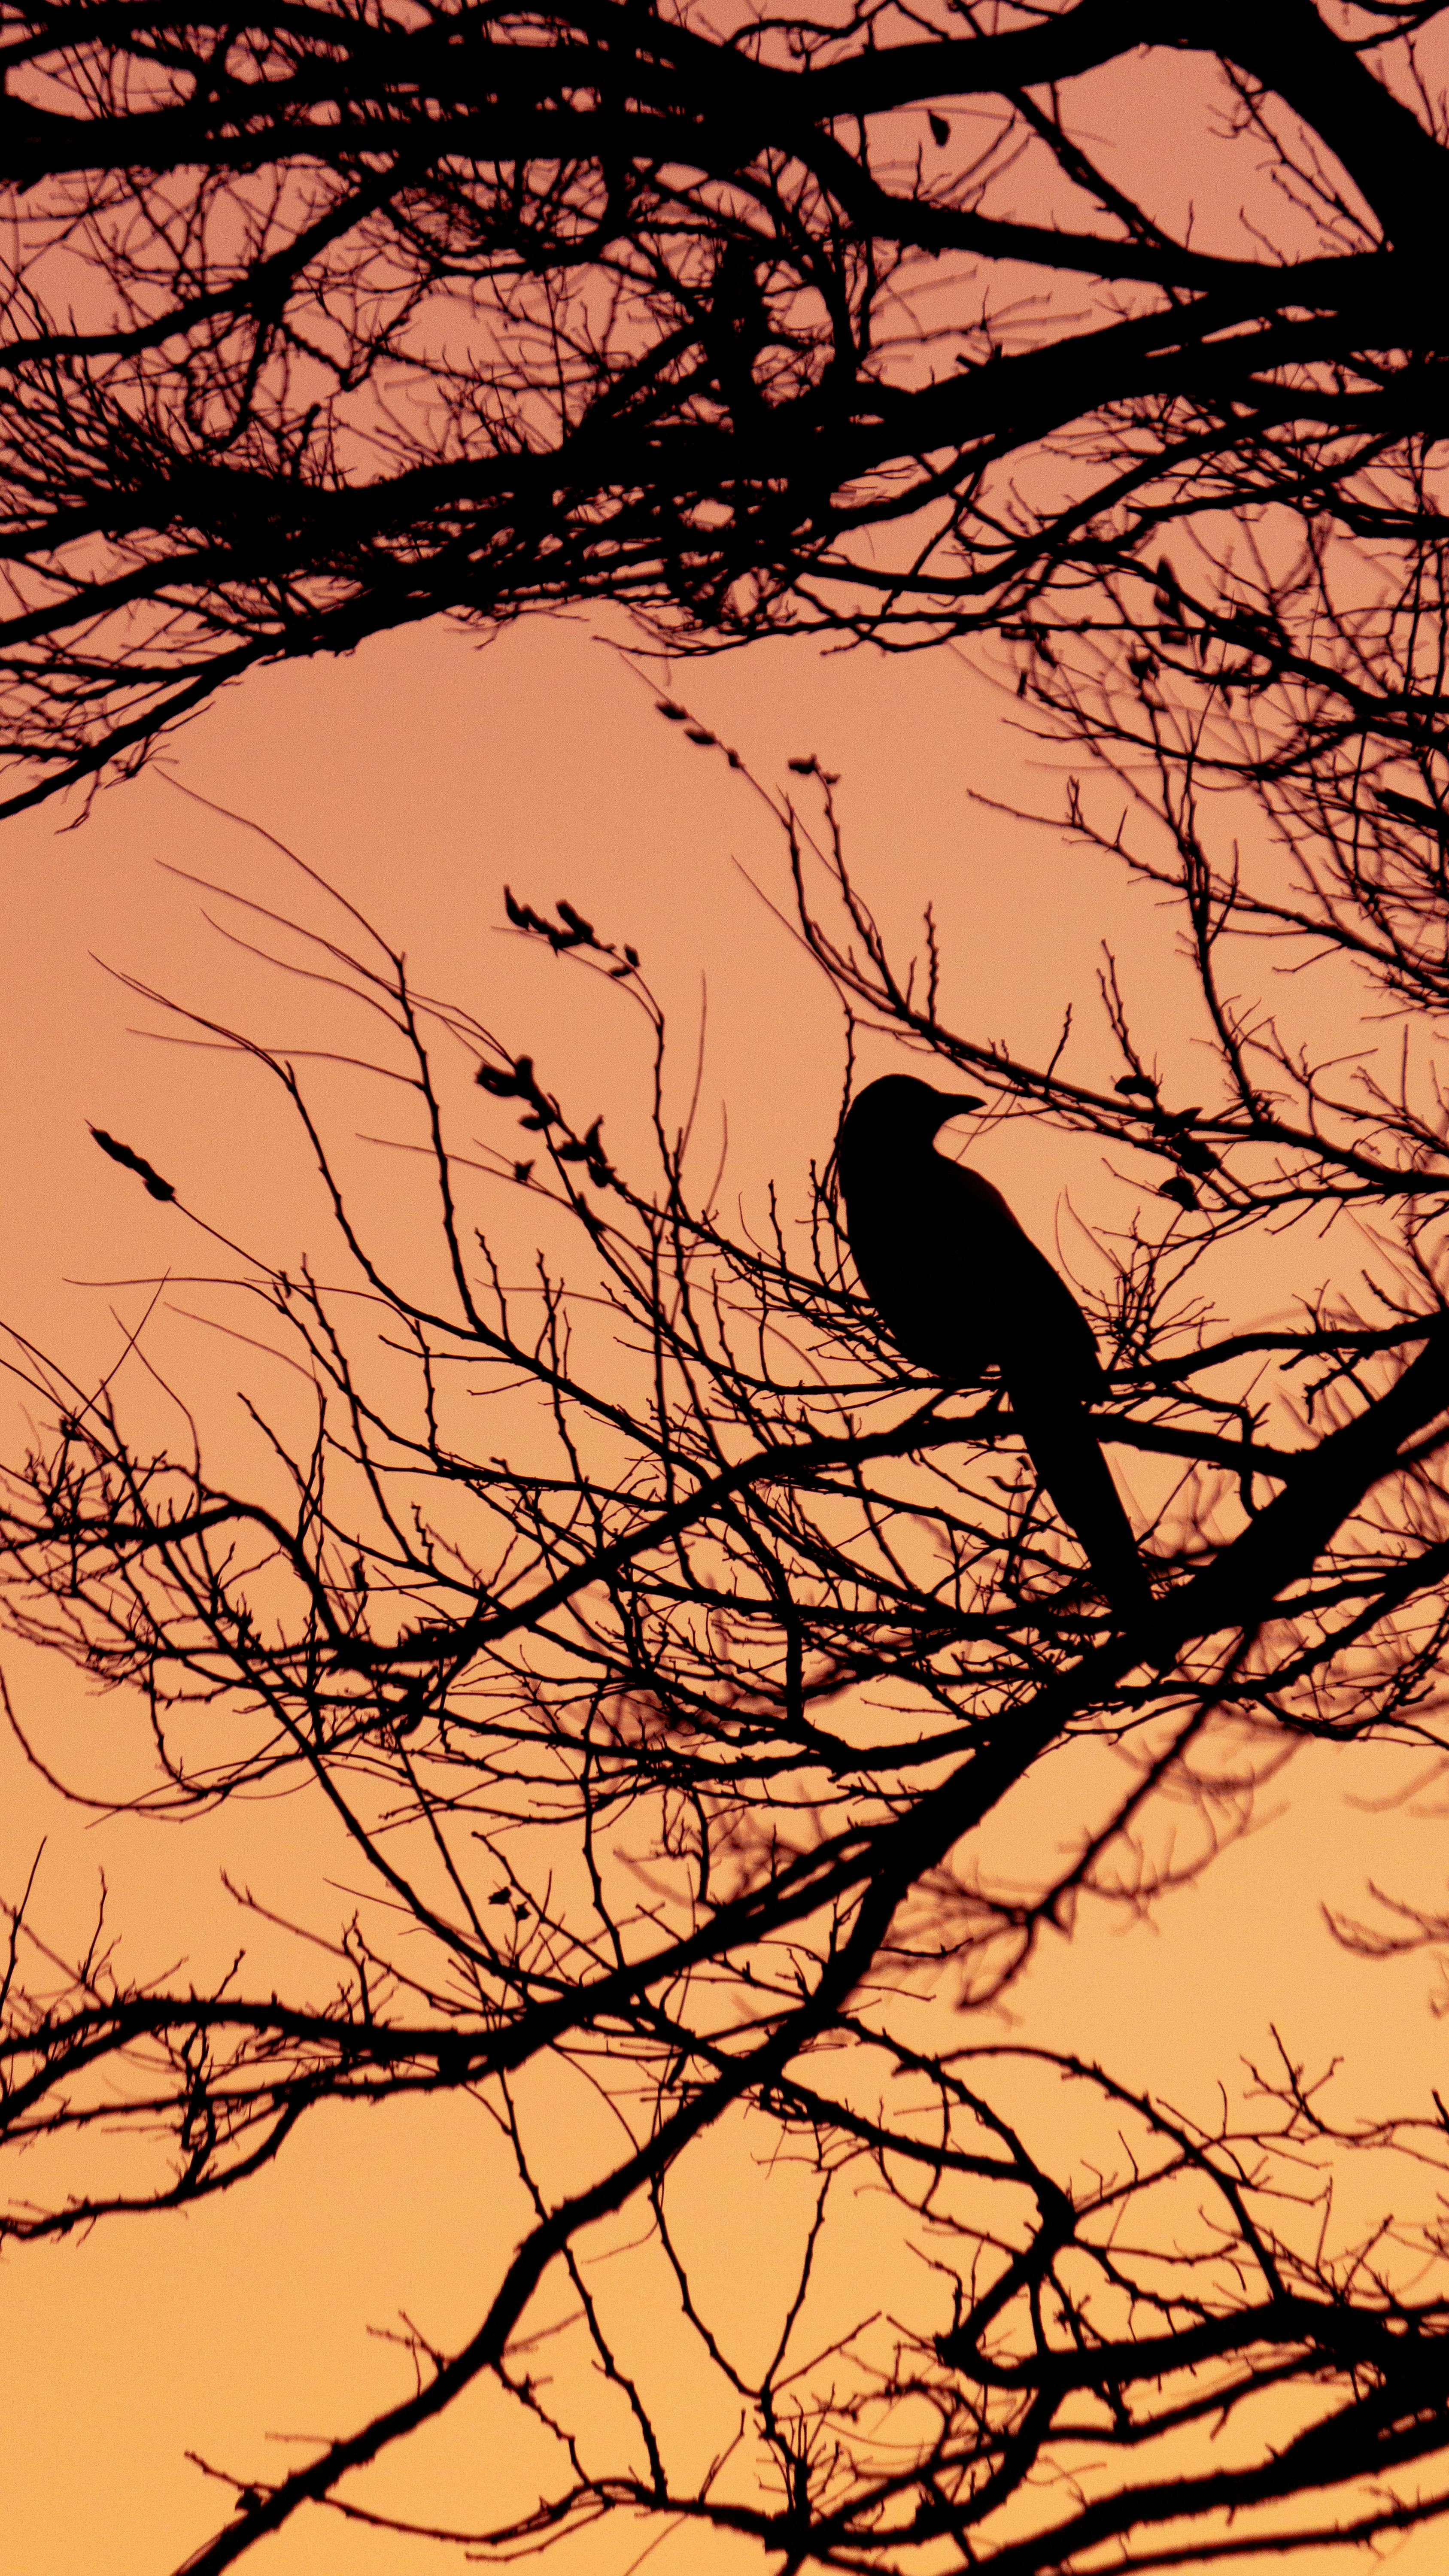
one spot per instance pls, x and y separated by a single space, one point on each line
957 1107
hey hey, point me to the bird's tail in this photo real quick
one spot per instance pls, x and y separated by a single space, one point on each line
1066 1455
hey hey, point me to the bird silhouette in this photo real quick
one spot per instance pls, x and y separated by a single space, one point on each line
961 1287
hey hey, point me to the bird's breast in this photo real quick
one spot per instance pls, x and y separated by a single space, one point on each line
958 1283
930 1284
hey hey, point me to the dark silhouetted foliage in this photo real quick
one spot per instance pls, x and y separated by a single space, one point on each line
902 321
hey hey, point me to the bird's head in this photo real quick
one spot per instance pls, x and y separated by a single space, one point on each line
894 1116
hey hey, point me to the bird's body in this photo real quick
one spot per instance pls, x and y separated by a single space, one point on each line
961 1287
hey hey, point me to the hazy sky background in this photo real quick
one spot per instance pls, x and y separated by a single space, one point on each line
420 776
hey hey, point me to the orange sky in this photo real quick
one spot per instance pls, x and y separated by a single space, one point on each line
420 776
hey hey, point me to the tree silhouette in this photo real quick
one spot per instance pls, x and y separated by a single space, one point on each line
662 1700
884 321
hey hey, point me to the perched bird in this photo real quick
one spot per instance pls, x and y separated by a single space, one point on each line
961 1287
